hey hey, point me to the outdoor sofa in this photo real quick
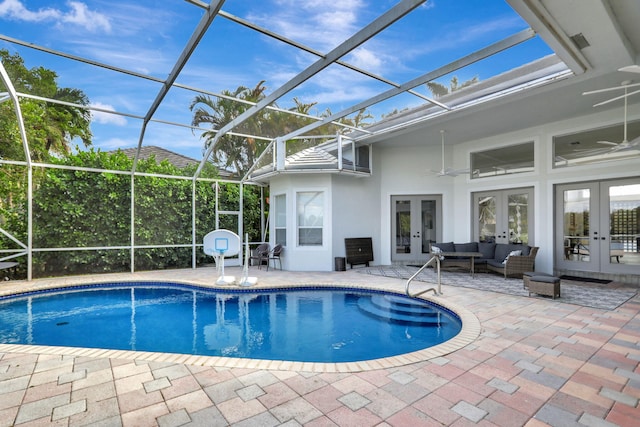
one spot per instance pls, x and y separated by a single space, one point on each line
508 259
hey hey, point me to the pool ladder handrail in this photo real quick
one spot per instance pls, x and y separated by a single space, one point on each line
437 291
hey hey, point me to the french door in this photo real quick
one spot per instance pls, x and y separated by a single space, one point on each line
598 226
416 222
503 216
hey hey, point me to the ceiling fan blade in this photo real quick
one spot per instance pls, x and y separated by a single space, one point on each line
626 146
607 143
610 89
454 172
630 69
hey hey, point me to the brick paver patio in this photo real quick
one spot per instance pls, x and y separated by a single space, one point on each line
536 362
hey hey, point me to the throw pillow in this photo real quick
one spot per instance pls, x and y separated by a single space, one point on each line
437 251
512 253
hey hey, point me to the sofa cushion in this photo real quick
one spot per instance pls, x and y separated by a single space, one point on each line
504 249
466 247
488 250
495 263
445 246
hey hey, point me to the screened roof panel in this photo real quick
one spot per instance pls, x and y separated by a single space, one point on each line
247 42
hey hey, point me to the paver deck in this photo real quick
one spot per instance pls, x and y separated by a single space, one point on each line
535 362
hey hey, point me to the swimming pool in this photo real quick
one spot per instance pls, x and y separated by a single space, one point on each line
313 324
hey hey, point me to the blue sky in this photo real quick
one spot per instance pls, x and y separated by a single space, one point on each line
148 36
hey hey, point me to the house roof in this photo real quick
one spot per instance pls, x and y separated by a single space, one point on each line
160 154
323 157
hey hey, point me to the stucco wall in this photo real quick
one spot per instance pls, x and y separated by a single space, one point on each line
405 170
306 258
351 210
361 207
356 212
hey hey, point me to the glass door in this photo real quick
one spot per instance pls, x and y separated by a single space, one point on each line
416 224
598 227
622 211
503 216
578 209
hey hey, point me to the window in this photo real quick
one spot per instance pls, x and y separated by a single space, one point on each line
281 219
310 211
595 146
503 161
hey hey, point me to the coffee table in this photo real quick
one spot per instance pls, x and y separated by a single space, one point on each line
471 255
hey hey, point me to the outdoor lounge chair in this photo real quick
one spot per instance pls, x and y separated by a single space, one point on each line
515 266
275 256
260 254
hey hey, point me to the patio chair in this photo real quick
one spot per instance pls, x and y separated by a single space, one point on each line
516 266
275 255
260 254
583 250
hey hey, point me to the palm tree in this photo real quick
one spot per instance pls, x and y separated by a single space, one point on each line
240 153
438 89
51 127
231 151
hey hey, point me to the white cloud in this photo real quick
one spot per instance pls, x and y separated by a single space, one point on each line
14 9
310 23
103 117
365 59
79 14
82 16
112 144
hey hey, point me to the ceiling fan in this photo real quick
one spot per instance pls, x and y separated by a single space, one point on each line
445 171
625 144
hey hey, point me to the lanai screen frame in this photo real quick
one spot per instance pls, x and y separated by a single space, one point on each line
211 11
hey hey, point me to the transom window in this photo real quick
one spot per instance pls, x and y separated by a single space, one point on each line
595 145
518 158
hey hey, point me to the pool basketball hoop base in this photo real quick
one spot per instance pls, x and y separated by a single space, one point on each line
246 280
221 243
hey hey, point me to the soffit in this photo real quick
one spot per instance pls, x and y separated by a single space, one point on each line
614 37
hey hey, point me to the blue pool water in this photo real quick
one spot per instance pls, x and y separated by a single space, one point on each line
310 324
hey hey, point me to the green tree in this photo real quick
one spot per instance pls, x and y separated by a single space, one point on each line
239 152
85 209
236 152
51 127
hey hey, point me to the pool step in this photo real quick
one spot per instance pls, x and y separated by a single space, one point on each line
403 305
400 310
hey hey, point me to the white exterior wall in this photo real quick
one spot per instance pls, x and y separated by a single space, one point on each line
304 258
361 207
356 212
406 171
351 210
545 177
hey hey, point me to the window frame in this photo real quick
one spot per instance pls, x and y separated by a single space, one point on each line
504 152
300 227
280 219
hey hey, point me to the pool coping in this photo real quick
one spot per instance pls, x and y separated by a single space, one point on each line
470 331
